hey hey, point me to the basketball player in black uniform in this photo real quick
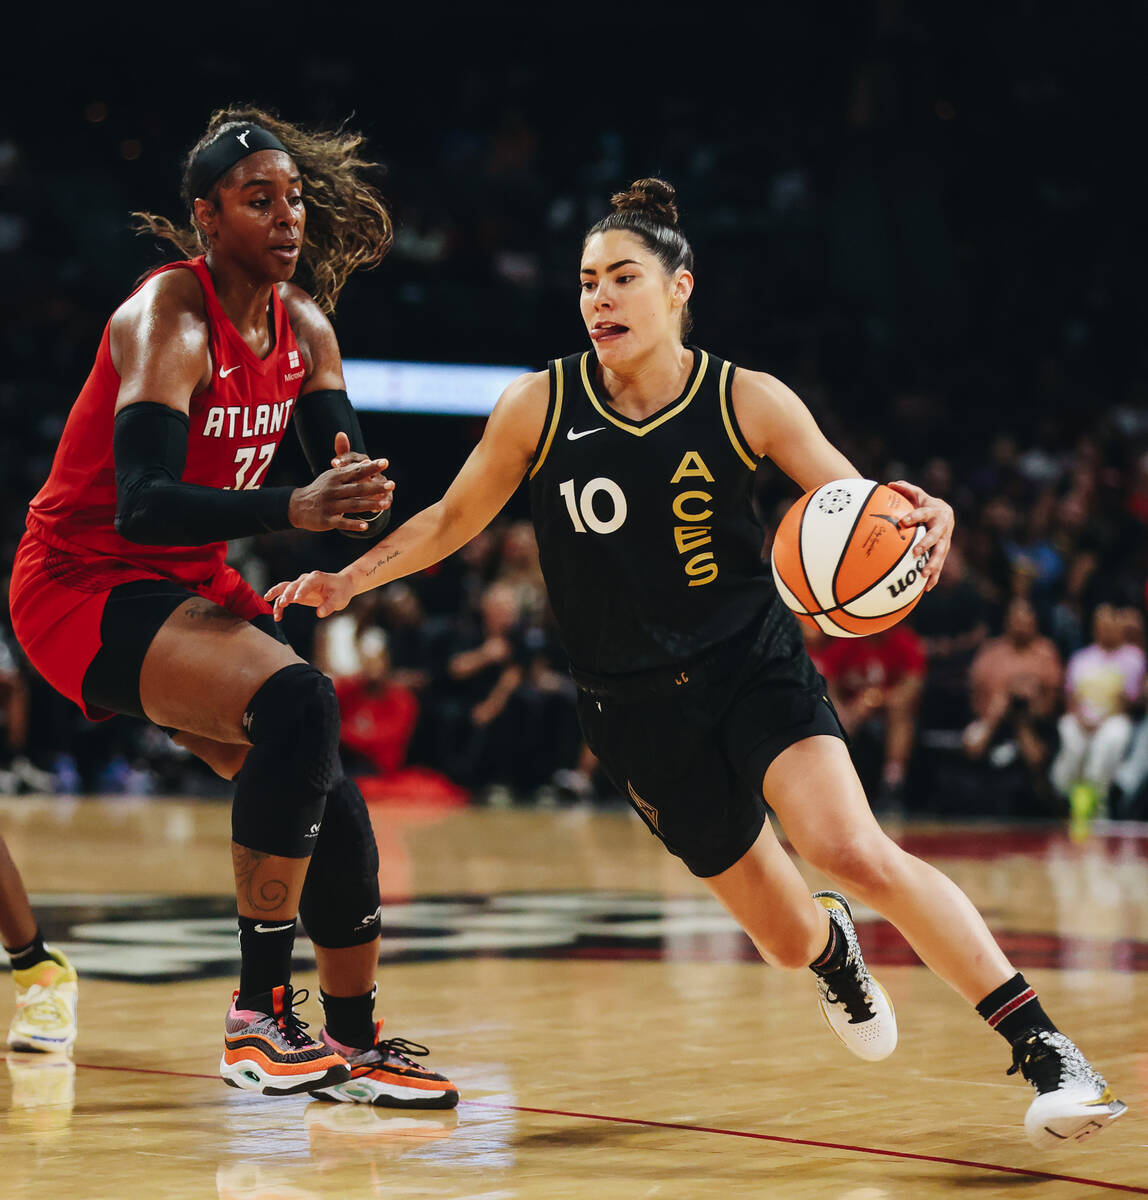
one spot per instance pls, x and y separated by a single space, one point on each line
695 688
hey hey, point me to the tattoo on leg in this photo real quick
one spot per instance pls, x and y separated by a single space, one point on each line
263 895
205 610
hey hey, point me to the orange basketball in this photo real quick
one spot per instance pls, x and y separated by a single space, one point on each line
842 562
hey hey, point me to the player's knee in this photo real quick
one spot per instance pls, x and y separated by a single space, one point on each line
866 864
340 905
281 792
296 712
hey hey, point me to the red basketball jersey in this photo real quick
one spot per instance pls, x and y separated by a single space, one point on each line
236 424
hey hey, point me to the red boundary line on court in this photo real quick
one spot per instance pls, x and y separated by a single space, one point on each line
741 1133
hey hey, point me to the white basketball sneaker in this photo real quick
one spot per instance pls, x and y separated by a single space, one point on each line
855 1006
1073 1102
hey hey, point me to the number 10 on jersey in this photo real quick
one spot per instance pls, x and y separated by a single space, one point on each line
584 505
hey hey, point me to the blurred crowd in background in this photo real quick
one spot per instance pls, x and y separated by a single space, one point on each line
926 223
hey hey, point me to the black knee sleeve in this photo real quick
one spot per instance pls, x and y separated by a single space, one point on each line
340 902
280 794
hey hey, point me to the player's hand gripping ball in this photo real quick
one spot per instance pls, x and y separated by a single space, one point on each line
843 563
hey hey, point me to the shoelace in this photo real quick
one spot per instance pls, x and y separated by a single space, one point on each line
1038 1060
290 1023
844 987
401 1049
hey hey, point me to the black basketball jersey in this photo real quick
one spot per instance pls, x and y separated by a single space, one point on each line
648 540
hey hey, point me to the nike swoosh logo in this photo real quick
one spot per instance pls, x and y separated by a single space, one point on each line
892 521
225 371
571 436
273 928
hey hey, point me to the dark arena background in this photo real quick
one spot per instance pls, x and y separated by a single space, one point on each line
926 220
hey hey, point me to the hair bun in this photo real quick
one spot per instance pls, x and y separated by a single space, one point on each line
654 197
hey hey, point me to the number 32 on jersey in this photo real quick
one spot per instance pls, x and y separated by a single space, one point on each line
244 457
600 507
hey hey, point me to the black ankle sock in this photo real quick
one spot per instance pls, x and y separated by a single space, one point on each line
1012 1008
832 958
265 949
30 955
350 1019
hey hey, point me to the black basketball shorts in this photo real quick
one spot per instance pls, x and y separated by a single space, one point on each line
691 761
132 617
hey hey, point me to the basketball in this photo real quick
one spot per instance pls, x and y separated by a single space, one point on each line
842 562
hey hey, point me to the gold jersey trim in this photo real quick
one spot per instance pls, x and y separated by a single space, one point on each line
558 383
739 443
642 430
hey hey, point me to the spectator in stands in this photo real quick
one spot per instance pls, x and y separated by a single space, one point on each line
1068 621
418 646
875 683
17 772
412 638
1102 683
1015 684
519 566
337 647
1034 550
482 741
952 625
378 715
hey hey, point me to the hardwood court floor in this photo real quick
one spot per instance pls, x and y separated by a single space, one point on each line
606 1023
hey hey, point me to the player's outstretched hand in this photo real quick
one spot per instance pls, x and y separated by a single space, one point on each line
320 590
335 499
938 520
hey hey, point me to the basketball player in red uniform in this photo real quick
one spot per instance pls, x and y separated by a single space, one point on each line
696 692
122 600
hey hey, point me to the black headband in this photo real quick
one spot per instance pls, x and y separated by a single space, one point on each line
218 157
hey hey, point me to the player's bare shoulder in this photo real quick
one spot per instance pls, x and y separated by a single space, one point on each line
526 393
166 314
520 413
764 407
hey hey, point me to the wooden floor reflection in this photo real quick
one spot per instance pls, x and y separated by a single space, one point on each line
609 1033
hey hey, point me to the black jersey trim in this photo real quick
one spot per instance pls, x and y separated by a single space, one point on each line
725 383
641 428
556 388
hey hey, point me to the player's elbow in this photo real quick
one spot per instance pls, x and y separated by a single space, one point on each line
139 517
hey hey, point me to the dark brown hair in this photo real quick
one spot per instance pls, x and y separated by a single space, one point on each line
348 225
648 209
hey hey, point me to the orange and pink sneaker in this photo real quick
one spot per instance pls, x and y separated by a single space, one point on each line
387 1076
266 1049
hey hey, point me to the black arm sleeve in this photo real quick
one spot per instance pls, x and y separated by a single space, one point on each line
154 508
318 417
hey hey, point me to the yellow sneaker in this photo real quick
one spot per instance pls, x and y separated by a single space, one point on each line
46 999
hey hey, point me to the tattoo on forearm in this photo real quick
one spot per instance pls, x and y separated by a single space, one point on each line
390 555
262 894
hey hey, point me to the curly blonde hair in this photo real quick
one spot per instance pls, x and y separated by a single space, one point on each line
348 225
